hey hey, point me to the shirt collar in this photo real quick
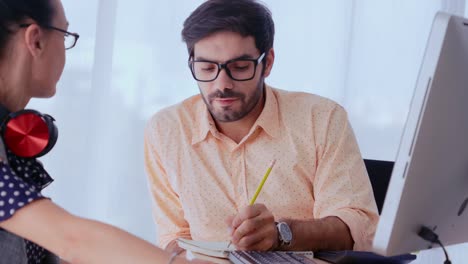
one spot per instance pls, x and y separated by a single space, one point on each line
268 119
205 123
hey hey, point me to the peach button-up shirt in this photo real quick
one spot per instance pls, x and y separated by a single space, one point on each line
198 176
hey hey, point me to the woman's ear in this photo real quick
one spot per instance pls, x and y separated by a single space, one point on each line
269 60
35 41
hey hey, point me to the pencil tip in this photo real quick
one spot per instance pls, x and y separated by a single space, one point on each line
273 163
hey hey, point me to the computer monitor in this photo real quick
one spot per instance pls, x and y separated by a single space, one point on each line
429 183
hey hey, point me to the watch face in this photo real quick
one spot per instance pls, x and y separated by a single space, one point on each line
285 232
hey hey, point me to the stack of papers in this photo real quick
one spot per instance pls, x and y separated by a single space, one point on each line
212 249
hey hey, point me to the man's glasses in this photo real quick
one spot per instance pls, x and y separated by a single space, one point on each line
70 38
236 69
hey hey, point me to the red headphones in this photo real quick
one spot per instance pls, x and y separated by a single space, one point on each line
28 133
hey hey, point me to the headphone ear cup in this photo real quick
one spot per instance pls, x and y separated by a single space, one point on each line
30 134
53 134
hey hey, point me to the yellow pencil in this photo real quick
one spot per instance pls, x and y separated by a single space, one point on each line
259 188
265 177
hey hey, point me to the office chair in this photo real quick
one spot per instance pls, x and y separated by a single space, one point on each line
379 174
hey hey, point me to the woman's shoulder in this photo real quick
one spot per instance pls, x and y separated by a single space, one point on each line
16 185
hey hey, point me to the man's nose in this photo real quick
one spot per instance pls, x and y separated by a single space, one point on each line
224 81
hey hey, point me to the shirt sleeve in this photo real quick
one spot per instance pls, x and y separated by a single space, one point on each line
14 192
167 208
341 185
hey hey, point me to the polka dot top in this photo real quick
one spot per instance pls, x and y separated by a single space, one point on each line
21 182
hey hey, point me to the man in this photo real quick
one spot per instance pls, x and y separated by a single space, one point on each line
206 156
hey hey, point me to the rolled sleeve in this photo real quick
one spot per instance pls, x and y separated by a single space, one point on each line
361 226
341 185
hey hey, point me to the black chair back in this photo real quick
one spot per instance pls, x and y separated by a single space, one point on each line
379 173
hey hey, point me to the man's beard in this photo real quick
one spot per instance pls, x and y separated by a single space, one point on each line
248 103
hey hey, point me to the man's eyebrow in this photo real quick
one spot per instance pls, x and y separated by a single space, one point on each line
241 57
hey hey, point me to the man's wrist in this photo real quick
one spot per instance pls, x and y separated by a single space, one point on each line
284 235
276 242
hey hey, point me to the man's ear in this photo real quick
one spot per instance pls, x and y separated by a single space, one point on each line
35 41
269 60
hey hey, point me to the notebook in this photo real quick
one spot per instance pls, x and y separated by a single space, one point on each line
209 248
279 257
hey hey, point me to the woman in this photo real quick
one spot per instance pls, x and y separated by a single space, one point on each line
32 57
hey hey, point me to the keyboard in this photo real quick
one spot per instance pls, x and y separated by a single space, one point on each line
277 257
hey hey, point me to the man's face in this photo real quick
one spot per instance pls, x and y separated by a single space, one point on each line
229 100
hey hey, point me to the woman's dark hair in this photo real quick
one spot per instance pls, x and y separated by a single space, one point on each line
246 17
16 11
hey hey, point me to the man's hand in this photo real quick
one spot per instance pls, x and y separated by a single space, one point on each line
253 228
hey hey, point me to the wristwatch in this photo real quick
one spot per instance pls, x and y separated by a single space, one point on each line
284 234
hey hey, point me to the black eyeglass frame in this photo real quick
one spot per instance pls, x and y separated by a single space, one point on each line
223 66
75 36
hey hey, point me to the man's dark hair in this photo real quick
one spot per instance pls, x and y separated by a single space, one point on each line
246 17
16 11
